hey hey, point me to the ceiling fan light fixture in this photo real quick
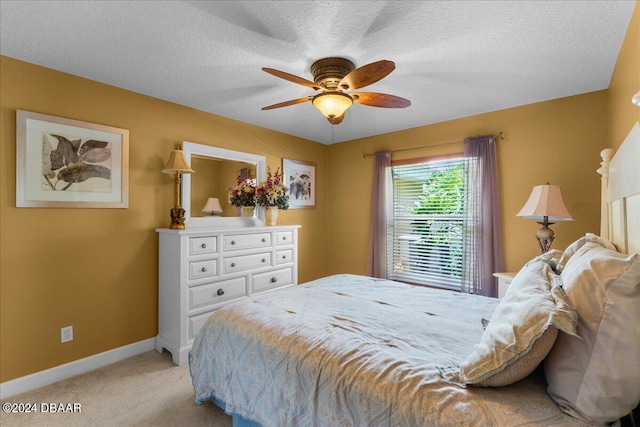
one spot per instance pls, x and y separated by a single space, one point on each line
332 104
335 75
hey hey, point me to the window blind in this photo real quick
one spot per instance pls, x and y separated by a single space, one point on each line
425 211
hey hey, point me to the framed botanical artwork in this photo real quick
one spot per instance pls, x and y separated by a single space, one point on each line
64 163
300 179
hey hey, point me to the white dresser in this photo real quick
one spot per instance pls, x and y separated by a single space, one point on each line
203 269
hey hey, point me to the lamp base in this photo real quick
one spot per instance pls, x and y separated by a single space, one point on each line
177 218
545 236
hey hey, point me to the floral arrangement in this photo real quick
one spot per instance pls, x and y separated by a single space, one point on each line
272 192
244 193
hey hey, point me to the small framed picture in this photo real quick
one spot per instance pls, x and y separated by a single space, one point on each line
64 163
300 179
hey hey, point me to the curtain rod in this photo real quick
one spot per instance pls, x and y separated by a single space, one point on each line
498 137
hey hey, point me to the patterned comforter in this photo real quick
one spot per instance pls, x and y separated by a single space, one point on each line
351 350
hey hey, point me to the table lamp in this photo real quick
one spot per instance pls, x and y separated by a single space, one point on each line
545 204
213 206
177 165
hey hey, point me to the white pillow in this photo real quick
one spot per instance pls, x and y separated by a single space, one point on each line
596 377
572 248
521 331
525 364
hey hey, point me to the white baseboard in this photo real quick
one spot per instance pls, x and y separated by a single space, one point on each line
77 367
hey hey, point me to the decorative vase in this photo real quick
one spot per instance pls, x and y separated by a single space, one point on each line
248 211
271 215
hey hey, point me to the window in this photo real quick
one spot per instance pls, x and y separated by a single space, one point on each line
425 211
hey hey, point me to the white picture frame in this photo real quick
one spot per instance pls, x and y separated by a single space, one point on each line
65 163
300 179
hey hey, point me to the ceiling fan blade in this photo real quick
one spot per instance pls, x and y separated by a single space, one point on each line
366 75
292 78
380 100
287 103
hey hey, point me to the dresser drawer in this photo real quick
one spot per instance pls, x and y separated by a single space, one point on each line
284 238
246 262
200 269
203 245
284 256
234 242
216 293
271 279
196 323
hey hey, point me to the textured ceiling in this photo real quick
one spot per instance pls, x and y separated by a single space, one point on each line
453 58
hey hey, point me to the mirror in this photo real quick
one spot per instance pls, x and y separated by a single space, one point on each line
215 171
213 178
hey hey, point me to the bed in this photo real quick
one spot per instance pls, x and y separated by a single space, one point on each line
560 349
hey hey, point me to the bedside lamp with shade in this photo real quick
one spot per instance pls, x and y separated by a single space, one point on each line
545 204
212 206
177 165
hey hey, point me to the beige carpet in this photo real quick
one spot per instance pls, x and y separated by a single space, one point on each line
145 390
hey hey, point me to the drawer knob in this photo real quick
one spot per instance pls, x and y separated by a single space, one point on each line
264 260
233 264
204 246
204 269
264 240
274 279
284 256
233 242
220 292
284 237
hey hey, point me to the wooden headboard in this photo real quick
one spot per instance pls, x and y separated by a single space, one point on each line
620 210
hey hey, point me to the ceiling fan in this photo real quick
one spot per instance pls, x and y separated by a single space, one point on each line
335 78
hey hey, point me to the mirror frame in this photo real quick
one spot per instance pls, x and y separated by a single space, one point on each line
191 148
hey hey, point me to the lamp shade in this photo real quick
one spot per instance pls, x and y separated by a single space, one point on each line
212 206
177 163
545 201
332 104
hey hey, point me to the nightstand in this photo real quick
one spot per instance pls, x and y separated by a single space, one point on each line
504 280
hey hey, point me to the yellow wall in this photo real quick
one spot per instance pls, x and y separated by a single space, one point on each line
557 141
96 269
625 83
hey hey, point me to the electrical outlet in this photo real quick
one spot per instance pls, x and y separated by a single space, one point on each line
66 334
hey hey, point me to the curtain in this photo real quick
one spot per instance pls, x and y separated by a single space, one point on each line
377 260
482 239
